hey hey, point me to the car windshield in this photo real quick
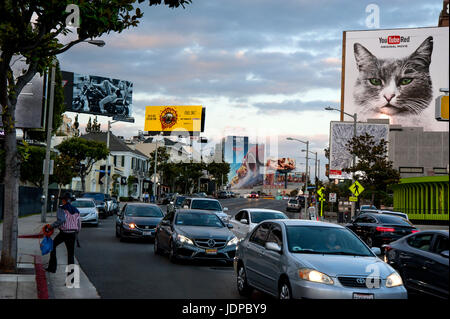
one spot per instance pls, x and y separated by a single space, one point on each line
143 211
83 204
325 240
393 220
365 207
206 220
206 205
258 217
97 197
293 201
179 200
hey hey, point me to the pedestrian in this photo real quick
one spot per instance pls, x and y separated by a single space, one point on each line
69 223
146 197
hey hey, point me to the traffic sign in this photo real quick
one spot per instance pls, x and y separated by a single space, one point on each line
155 178
333 197
320 191
353 199
356 188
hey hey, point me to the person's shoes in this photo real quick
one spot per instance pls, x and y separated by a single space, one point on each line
50 270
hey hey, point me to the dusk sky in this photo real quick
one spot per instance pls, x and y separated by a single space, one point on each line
260 67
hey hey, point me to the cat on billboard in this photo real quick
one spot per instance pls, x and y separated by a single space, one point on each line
103 96
396 74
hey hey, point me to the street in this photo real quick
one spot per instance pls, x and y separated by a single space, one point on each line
130 269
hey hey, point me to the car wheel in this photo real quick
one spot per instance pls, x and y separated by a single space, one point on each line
172 253
284 291
156 248
369 242
241 280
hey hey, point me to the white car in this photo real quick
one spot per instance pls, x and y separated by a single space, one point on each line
245 220
88 210
209 204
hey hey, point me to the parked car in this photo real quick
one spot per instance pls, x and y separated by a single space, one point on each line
366 207
245 220
304 259
176 202
302 200
293 205
380 229
138 220
422 261
101 202
380 211
207 204
253 195
87 209
195 234
222 195
115 205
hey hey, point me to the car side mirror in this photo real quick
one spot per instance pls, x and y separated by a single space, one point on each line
230 226
376 251
244 221
186 207
225 209
165 222
444 253
273 247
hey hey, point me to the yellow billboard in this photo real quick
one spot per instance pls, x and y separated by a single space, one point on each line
170 118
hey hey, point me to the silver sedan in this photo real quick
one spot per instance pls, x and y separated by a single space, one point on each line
306 259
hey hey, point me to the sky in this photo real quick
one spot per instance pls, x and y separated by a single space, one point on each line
261 68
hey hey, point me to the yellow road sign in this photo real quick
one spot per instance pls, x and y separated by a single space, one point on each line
356 188
353 199
320 191
442 108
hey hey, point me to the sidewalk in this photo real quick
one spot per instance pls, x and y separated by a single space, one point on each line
33 282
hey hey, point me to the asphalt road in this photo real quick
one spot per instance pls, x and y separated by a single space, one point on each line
131 270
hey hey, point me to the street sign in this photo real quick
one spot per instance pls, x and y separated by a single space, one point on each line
356 188
320 191
50 168
155 178
353 199
333 197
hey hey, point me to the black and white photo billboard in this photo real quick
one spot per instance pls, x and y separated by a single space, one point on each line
97 95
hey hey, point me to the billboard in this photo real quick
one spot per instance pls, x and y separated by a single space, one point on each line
278 180
97 95
340 134
166 119
30 104
281 164
395 74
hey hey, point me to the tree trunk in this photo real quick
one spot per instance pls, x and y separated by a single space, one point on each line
83 182
11 196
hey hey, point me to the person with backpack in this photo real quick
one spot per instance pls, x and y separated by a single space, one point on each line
69 224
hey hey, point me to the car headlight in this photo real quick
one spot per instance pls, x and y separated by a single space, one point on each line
130 225
315 276
394 280
233 241
184 240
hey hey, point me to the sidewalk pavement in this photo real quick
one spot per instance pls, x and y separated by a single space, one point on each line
32 281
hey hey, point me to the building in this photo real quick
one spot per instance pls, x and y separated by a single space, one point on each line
129 175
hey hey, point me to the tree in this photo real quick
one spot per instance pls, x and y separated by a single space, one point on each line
34 29
64 170
31 169
219 171
85 153
89 126
76 125
373 168
95 126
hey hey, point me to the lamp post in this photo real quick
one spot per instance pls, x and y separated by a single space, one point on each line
355 120
98 43
307 160
315 174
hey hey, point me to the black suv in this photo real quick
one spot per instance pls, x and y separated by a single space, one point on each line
102 202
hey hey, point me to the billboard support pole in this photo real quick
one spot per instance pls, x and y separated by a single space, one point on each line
107 159
49 141
355 119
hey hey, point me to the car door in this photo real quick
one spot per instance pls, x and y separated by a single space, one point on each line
413 261
254 255
270 263
438 267
236 222
165 230
245 226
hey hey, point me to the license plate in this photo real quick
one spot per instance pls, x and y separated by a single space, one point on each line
362 296
211 251
147 233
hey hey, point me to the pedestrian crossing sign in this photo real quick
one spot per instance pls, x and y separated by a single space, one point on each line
356 188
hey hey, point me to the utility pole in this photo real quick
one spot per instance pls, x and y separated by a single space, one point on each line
107 159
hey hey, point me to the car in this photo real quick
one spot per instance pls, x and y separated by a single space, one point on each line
222 195
381 211
175 203
115 205
166 198
293 205
292 259
207 204
88 210
101 202
422 261
302 200
380 229
253 195
245 220
138 220
367 207
195 234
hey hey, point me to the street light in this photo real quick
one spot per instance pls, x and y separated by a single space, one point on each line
355 120
99 43
307 160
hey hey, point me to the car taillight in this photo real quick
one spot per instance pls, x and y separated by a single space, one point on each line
385 229
414 231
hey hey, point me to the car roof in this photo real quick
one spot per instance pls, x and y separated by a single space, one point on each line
195 211
142 204
204 198
300 222
85 199
252 210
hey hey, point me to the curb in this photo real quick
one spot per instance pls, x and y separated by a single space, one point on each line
41 280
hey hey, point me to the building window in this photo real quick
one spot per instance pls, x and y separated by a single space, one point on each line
411 170
440 170
115 160
123 161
